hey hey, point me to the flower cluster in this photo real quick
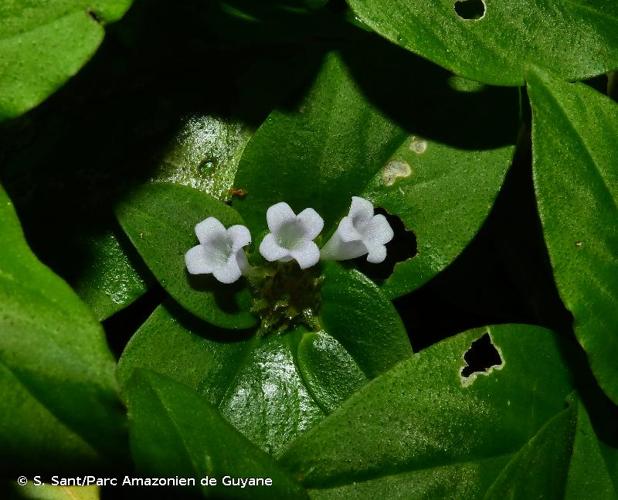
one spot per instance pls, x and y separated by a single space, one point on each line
291 237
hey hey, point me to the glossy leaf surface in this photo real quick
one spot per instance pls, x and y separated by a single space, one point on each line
273 388
174 431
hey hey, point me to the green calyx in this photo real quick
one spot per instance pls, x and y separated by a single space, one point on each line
285 296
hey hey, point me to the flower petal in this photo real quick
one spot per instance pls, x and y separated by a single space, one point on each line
312 222
378 231
241 260
361 209
208 228
337 249
279 214
240 236
306 253
228 273
197 261
270 249
347 231
376 254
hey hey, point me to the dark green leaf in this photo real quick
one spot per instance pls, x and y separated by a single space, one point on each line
547 454
444 200
563 460
337 145
175 432
56 372
43 44
427 429
322 153
593 470
160 220
495 42
328 370
111 282
575 145
254 382
275 387
358 315
85 246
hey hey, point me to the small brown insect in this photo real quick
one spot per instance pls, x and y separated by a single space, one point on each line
239 192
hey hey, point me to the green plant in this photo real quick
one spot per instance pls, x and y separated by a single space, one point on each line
476 359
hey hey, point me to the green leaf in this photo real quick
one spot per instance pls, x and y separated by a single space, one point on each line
547 454
593 470
337 144
275 387
48 492
575 144
43 44
510 37
175 432
322 153
358 315
44 171
204 154
427 429
111 282
253 382
159 219
566 458
445 200
56 373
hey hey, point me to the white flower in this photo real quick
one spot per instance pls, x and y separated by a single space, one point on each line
359 233
220 251
291 236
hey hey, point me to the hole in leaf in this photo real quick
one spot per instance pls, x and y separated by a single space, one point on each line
480 358
470 10
401 247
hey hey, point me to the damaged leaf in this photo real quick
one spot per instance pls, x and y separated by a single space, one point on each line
496 42
436 436
337 144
